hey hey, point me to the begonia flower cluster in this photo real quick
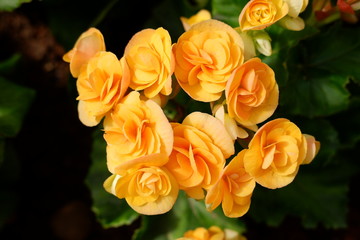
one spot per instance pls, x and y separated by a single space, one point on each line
150 158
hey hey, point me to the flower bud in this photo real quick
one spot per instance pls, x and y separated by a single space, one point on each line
262 42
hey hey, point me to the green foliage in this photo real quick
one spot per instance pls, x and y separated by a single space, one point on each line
110 211
10 5
228 11
347 124
320 71
15 101
186 214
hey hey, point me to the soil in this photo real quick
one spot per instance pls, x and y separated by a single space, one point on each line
52 201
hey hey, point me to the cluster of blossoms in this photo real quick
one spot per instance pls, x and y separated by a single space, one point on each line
212 233
151 158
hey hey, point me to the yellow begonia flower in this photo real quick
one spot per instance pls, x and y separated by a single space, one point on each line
201 145
212 233
233 189
252 93
205 56
200 16
259 14
134 129
151 62
275 153
201 233
87 45
101 84
147 186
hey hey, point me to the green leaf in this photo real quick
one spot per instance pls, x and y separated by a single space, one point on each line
110 210
15 101
312 92
10 5
186 214
284 39
317 196
9 65
228 11
336 50
347 124
313 72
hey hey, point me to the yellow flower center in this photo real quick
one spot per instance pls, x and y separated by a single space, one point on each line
152 182
261 13
280 150
251 92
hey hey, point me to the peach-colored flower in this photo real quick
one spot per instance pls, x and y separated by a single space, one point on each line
252 93
87 45
275 153
151 62
200 16
101 84
212 233
147 186
258 14
134 129
201 146
233 189
205 56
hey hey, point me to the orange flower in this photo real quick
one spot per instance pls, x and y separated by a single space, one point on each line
233 189
201 233
212 233
147 186
151 62
275 153
252 93
101 84
201 145
205 56
134 129
258 14
87 45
